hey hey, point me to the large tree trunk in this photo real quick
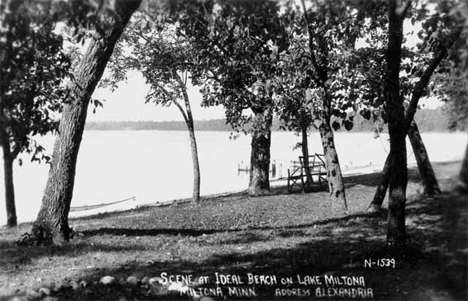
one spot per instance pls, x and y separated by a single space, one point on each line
430 184
259 181
8 158
335 177
396 230
51 225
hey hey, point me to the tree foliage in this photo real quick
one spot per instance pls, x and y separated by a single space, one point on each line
237 43
451 83
33 67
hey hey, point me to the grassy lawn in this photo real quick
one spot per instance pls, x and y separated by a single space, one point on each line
283 237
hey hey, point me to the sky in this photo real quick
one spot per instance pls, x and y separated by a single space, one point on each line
128 104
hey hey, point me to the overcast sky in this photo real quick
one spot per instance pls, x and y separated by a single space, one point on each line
128 103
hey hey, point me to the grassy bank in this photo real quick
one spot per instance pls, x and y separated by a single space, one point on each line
281 236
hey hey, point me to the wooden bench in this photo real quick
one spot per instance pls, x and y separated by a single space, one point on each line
297 174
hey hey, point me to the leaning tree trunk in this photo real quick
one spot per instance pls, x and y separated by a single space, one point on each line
51 225
396 230
259 181
381 191
431 186
335 177
8 159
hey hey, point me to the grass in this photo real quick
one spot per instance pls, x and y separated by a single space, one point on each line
282 235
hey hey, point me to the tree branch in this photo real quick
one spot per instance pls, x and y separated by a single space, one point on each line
181 111
173 100
188 110
424 80
320 73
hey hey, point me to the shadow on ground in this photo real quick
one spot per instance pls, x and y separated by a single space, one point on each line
433 266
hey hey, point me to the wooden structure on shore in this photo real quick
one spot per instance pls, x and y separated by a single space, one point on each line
299 171
275 169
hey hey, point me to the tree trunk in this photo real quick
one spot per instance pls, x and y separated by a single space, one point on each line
462 185
188 117
305 155
8 159
431 186
196 167
396 230
381 191
335 177
259 182
51 225
425 168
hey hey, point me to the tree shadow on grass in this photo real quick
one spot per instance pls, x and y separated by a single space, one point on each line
250 234
372 179
431 264
18 257
415 272
149 232
184 232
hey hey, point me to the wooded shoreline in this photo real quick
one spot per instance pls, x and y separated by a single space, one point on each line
429 120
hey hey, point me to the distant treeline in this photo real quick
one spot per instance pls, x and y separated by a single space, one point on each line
427 120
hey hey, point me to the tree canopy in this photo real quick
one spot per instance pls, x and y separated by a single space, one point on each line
33 67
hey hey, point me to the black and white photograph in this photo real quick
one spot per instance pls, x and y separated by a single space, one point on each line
211 150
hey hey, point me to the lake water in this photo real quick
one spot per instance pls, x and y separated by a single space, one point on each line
156 166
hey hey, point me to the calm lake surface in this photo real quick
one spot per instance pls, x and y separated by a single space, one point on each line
156 166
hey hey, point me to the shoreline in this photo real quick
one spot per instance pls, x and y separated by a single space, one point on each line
275 184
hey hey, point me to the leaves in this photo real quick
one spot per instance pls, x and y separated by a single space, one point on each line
237 55
348 124
34 65
97 103
336 125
